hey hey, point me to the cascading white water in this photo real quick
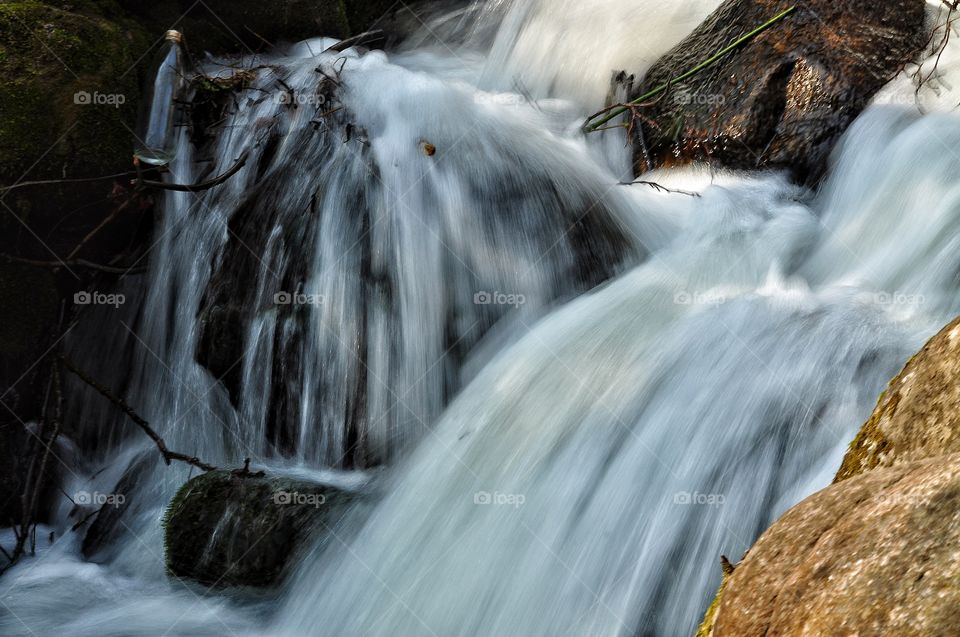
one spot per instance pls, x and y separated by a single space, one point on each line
701 394
598 456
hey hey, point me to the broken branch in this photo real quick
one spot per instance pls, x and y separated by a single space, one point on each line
204 185
167 454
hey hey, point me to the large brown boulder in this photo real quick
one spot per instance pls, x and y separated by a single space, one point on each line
918 416
875 555
782 99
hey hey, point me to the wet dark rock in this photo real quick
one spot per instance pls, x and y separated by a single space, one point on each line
782 99
580 241
225 528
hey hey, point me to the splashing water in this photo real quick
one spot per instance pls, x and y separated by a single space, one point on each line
587 392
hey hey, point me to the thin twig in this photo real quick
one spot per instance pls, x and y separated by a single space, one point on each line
57 417
76 526
260 37
82 263
661 188
49 182
361 39
167 454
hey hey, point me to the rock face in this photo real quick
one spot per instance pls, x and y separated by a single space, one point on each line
225 529
918 416
874 555
782 99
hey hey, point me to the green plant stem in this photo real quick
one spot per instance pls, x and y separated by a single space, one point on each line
589 128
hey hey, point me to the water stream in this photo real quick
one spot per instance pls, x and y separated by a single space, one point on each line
572 395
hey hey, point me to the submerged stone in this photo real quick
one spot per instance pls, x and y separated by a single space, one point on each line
224 528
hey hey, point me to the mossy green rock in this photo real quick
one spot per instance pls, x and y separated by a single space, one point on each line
918 416
68 103
224 529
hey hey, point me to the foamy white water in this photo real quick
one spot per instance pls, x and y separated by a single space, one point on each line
679 372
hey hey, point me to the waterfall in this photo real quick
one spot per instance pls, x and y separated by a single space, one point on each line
577 393
702 394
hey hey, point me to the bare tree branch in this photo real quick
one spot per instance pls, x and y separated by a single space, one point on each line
167 454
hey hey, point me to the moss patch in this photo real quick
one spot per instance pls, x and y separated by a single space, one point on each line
225 530
870 444
706 626
68 99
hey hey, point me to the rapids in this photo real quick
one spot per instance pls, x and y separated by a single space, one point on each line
584 392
